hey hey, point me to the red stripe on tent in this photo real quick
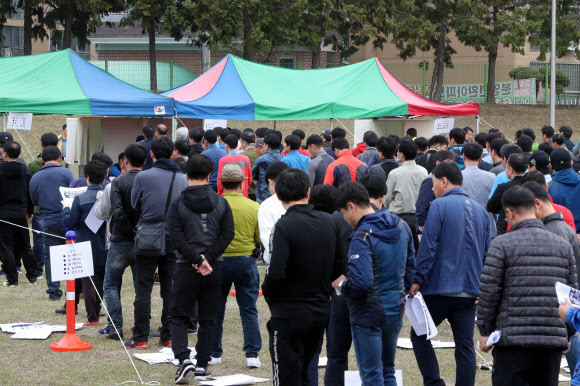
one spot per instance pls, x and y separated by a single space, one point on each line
201 86
423 106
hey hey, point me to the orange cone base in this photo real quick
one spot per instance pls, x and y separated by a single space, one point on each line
70 342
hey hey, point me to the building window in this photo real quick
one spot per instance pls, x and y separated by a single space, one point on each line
287 61
12 43
18 13
330 57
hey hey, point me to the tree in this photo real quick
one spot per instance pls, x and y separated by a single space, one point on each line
32 30
562 80
7 8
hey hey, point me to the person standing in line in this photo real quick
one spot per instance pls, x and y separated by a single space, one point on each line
149 133
271 154
233 157
299 298
449 262
195 139
436 143
565 185
387 151
293 157
201 226
501 178
337 132
320 160
249 150
532 335
346 167
381 268
456 141
214 153
495 147
370 140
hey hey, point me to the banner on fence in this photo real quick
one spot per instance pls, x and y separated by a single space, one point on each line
515 92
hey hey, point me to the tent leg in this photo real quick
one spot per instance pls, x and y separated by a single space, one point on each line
477 122
274 125
331 124
174 128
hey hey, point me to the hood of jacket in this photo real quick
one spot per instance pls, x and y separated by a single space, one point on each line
12 170
199 199
567 177
167 164
382 225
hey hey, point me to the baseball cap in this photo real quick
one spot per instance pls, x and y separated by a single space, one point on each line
560 156
541 160
259 142
327 132
232 173
5 137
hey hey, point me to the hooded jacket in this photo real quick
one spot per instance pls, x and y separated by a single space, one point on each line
565 190
381 266
555 223
200 223
14 197
259 172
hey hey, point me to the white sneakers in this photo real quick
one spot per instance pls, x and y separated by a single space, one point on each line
215 361
253 363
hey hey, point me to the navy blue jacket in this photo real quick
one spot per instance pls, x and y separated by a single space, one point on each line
75 216
453 246
259 172
147 145
565 191
214 153
45 193
424 200
381 266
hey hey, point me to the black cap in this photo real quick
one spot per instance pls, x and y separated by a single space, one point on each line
314 140
560 156
541 161
5 137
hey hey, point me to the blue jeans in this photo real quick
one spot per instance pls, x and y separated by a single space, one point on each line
375 349
241 271
38 243
54 292
121 255
572 355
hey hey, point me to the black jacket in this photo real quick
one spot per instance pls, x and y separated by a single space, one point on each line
124 218
200 223
494 204
427 160
14 198
307 254
195 149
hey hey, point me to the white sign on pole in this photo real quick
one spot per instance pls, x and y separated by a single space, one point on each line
20 121
66 261
443 126
210 124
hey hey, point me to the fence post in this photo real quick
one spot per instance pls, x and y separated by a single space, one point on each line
171 75
424 79
546 83
106 65
485 80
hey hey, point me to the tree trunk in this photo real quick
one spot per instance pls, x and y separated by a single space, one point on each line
248 45
439 67
27 28
491 59
316 57
152 57
68 21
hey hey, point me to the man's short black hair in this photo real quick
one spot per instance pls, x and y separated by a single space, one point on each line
299 133
472 151
437 140
355 192
120 157
183 147
315 140
548 131
273 141
248 137
450 171
12 149
338 132
49 139
223 133
546 147
387 147
293 141
396 138
525 143
140 138
458 135
339 143
50 153
493 130
64 126
95 171
148 132
529 133
566 131
371 138
518 198
237 133
261 132
490 137
467 129
519 133
198 167
247 129
539 191
196 135
181 162
411 132
162 147
509 149
443 155
559 139
292 185
374 185
517 162
481 138
210 136
103 158
409 149
322 198
536 177
136 155
232 141
421 143
274 170
497 144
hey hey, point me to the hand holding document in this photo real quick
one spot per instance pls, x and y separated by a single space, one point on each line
564 292
492 339
69 194
419 316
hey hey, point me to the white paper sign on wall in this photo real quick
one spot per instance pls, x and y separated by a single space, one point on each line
443 126
66 261
20 121
210 124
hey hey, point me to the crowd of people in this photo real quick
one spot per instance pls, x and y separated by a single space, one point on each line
482 226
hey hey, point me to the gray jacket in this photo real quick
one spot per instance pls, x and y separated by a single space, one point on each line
517 294
555 223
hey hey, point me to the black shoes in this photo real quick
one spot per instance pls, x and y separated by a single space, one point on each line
184 372
202 373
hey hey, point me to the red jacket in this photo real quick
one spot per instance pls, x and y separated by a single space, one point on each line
244 163
301 151
359 149
568 217
345 168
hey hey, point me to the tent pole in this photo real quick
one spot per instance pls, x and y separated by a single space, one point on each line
274 125
331 124
477 120
174 128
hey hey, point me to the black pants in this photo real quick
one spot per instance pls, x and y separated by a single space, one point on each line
15 241
92 302
190 287
293 343
338 341
515 366
411 220
146 266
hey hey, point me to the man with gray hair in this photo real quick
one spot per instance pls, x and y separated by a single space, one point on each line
182 133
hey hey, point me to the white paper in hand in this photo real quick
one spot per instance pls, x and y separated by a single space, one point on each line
419 316
492 339
564 292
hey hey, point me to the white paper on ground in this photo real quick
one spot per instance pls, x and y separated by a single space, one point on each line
419 316
406 343
69 194
352 378
563 378
322 361
92 221
165 355
62 327
9 328
233 380
35 331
